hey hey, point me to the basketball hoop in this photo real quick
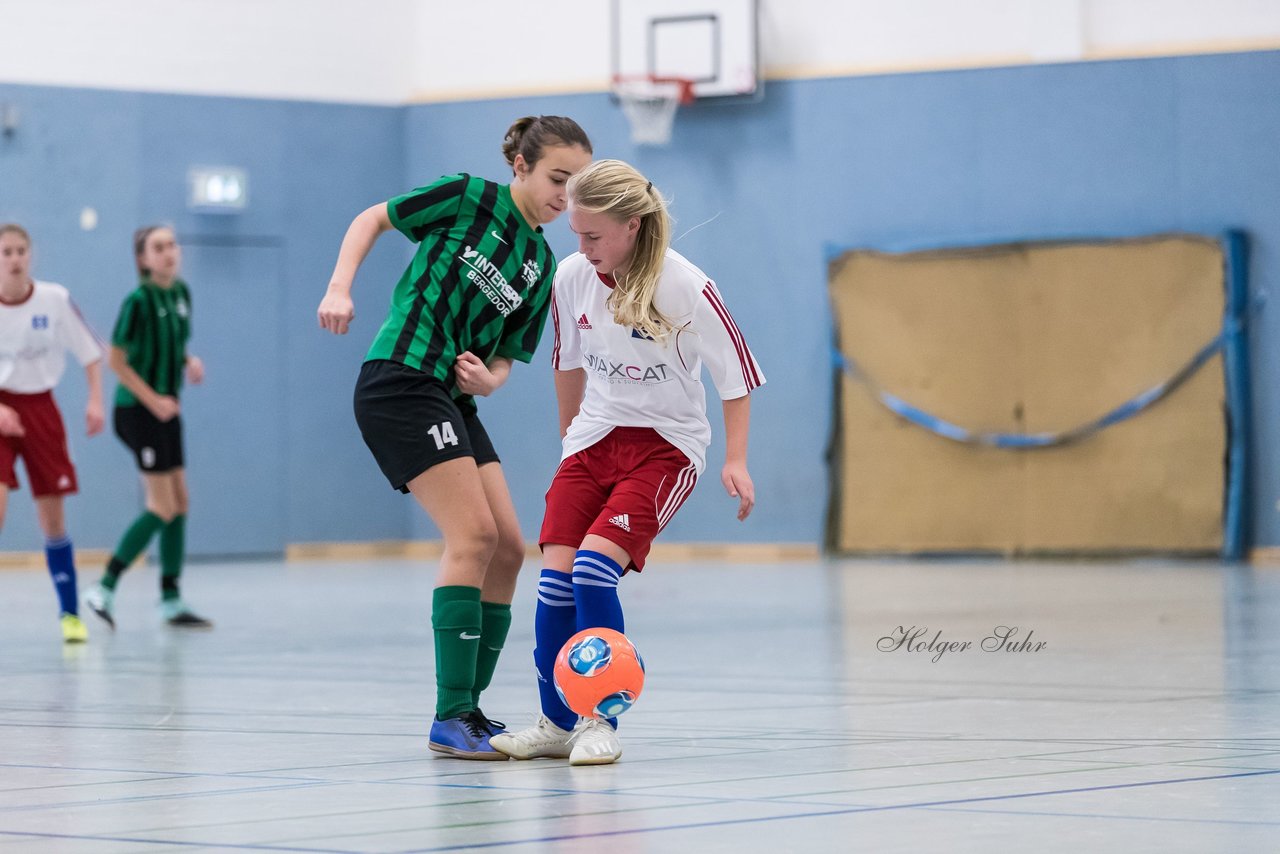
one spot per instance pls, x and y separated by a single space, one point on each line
650 105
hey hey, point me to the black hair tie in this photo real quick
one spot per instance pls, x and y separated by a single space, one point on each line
648 187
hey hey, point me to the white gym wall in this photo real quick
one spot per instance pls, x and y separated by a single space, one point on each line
398 51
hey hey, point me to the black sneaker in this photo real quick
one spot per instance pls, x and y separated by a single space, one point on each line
494 727
176 613
188 620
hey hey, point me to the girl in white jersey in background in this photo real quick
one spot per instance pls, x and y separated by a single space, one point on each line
635 323
38 324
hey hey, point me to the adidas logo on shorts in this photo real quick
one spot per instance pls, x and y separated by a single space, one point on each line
622 521
583 323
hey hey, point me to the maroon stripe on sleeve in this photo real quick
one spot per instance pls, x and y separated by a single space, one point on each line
93 332
555 324
749 373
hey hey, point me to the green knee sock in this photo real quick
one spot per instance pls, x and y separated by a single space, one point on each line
495 621
455 620
173 547
132 544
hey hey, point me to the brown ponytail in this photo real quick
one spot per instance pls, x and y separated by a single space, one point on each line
530 135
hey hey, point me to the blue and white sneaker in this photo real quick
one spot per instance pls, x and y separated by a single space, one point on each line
464 737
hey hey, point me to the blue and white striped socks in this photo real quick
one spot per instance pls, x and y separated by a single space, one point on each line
553 625
595 591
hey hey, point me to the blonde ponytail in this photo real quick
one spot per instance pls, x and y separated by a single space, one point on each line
617 189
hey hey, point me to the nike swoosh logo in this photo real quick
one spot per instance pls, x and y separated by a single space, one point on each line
466 636
497 236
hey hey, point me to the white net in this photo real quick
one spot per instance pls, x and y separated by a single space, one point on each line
650 106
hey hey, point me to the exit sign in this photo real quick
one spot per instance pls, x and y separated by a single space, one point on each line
218 189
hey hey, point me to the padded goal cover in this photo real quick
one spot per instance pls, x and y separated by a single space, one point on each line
1030 338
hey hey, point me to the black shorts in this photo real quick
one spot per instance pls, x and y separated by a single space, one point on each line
156 444
410 422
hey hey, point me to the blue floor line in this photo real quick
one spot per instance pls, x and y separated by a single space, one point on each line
177 842
828 813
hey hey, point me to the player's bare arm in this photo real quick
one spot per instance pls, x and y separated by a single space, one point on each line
476 378
10 423
337 310
163 407
570 387
734 475
94 417
195 369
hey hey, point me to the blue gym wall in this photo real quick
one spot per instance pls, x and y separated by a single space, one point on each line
1086 149
311 168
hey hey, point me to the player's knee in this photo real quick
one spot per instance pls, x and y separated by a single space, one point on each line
162 509
509 552
480 539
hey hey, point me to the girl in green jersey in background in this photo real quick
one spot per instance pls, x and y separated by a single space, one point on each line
149 355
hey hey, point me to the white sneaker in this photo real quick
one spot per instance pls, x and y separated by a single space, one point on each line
542 739
595 743
100 601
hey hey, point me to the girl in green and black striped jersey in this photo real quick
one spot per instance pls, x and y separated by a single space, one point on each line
474 298
149 355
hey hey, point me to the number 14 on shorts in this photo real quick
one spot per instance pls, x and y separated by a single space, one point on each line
443 434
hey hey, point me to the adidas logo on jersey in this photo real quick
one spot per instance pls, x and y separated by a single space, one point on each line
583 323
623 521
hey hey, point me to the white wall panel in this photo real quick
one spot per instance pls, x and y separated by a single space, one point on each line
319 50
394 51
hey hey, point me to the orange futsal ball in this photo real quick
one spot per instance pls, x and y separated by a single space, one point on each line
599 673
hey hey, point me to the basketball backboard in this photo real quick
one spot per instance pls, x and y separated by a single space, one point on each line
711 42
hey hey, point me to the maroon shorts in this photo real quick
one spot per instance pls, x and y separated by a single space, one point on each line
43 449
625 488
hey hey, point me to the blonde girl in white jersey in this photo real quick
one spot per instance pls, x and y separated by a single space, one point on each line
635 324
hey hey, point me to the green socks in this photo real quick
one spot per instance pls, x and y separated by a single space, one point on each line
135 539
469 638
495 621
173 546
455 620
